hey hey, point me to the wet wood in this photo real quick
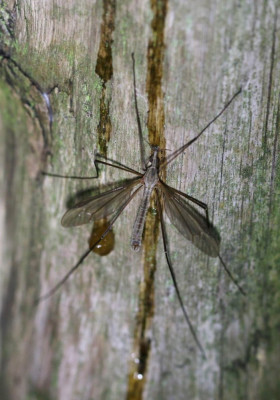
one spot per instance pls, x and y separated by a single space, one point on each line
81 343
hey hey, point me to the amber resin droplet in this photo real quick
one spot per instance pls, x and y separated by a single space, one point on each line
107 244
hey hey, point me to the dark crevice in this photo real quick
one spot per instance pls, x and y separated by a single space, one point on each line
274 159
104 69
155 56
142 340
104 127
272 60
221 351
222 162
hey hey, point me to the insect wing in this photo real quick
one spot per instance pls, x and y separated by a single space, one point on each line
98 207
190 223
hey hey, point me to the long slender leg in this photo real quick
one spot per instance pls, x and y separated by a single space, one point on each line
69 273
69 176
181 149
140 132
84 256
172 272
231 277
92 177
116 164
193 199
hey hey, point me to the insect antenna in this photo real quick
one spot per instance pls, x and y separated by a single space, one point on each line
68 176
84 256
140 132
172 272
181 149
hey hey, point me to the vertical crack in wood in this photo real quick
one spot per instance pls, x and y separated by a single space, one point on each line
272 57
222 162
142 339
104 69
221 351
274 160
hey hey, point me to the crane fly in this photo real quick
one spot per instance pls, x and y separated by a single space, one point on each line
177 205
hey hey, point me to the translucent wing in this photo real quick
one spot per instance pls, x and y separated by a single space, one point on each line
97 207
192 225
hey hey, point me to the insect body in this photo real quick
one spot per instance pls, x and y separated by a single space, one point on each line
150 180
189 222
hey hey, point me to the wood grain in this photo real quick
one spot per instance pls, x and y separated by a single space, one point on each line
79 344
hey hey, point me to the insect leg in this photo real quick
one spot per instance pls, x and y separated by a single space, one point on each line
92 177
68 176
172 272
118 165
69 273
84 256
231 276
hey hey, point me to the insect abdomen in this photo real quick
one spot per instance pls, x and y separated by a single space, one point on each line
138 227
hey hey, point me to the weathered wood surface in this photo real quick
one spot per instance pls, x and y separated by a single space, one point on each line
79 344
